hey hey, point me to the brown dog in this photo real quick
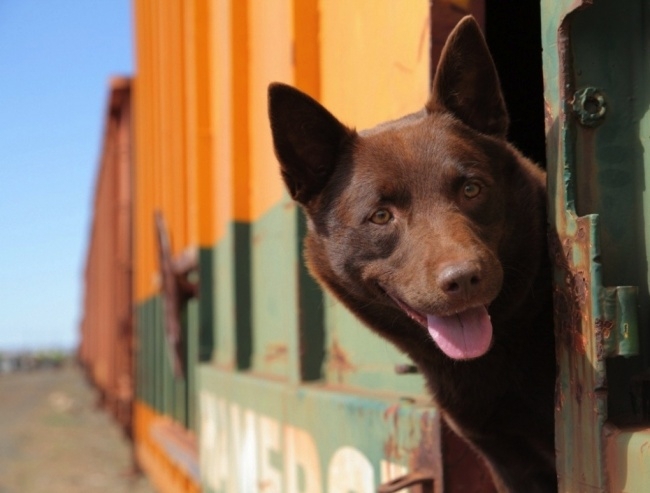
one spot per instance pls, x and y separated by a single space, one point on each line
432 230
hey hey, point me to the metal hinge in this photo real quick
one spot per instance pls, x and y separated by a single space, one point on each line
618 328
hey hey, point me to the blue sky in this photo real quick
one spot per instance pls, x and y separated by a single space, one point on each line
56 57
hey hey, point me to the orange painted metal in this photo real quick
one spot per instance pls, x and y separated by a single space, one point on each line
163 450
173 164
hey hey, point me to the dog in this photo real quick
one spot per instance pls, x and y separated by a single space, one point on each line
432 230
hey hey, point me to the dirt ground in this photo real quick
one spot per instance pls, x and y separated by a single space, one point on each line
53 439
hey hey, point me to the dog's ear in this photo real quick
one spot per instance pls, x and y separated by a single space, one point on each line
466 81
307 138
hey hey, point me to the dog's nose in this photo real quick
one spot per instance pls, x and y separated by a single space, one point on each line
460 280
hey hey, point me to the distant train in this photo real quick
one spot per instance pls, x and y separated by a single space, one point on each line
209 342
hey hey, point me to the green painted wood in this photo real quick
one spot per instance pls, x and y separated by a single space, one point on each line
311 314
358 358
157 385
294 318
141 357
224 299
243 291
274 283
193 358
206 303
156 374
307 438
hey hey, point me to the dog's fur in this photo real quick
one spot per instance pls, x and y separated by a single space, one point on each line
435 213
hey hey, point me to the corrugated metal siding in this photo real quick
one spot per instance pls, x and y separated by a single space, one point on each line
173 174
106 328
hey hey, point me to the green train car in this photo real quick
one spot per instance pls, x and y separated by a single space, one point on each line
237 373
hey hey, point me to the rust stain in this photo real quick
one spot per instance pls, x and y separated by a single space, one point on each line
603 333
581 287
339 362
548 115
418 442
571 298
428 449
559 395
276 352
391 446
391 411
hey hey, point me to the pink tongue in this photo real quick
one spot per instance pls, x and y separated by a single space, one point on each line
465 335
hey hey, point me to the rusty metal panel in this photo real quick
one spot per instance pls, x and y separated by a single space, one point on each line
595 61
106 328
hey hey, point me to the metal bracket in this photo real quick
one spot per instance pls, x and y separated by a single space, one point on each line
177 289
618 328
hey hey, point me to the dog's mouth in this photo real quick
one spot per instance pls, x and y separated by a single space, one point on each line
462 336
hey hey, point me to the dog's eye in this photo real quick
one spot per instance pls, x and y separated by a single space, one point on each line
471 189
381 216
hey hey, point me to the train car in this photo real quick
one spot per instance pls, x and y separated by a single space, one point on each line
250 378
106 349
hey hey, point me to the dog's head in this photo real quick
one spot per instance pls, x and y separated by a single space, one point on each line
407 221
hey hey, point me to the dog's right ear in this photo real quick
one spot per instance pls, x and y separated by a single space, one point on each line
307 138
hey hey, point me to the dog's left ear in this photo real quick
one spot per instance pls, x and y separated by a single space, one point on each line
466 81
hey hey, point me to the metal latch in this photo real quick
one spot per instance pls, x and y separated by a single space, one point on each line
422 478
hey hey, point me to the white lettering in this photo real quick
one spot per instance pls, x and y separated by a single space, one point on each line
270 480
208 440
302 463
245 452
244 442
350 472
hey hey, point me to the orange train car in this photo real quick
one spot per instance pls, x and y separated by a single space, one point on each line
204 332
